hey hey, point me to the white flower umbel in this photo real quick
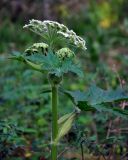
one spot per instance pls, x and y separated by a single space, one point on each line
51 28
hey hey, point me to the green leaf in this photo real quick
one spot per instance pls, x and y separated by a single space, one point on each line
96 98
69 66
50 63
113 110
23 59
29 130
53 64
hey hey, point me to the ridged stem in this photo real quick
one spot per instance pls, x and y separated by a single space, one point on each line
54 121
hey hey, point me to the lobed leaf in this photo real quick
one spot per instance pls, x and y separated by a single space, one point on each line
96 98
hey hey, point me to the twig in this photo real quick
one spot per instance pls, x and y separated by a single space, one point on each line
95 130
123 104
109 129
63 152
122 158
110 155
118 130
102 155
82 151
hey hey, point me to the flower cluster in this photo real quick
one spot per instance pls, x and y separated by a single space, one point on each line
45 27
65 53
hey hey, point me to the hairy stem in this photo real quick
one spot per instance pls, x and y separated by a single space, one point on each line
54 121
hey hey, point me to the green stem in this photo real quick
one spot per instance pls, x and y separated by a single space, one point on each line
54 121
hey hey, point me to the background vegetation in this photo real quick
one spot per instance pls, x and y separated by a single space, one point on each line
25 117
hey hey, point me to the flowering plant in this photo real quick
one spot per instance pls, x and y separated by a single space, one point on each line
55 55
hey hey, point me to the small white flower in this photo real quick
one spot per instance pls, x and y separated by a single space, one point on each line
40 45
66 35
